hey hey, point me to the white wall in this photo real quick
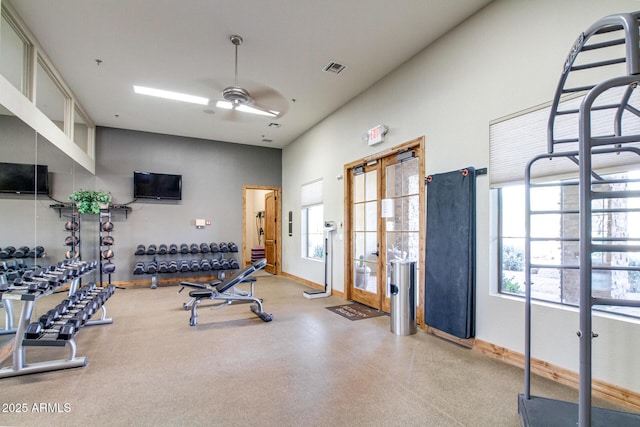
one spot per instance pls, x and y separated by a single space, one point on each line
506 58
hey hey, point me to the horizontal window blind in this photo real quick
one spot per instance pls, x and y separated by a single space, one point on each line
516 140
311 193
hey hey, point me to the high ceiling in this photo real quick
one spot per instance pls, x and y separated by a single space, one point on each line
103 48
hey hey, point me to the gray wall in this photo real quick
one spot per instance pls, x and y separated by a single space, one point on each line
213 174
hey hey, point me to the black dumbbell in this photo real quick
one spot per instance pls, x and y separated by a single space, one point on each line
173 249
138 268
163 267
7 252
83 316
205 265
75 322
214 247
224 247
35 252
162 249
140 250
204 248
184 248
91 307
194 265
62 309
184 266
55 313
46 320
232 247
233 263
151 249
33 331
66 332
173 267
151 268
43 285
109 268
194 248
215 264
21 252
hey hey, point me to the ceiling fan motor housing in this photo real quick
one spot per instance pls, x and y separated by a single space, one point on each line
236 95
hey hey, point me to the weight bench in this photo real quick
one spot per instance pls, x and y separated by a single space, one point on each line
223 291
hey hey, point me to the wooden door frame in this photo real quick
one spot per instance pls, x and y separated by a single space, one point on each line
417 144
278 192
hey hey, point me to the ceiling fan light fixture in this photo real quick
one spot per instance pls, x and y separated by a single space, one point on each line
166 94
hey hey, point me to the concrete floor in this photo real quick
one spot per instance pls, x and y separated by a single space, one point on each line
308 367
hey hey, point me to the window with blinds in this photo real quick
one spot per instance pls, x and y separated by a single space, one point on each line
517 139
514 142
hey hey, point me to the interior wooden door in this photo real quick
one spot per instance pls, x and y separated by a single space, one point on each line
270 236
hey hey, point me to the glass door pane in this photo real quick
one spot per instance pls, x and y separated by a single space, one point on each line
402 240
365 234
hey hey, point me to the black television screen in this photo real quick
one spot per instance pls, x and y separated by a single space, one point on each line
159 186
22 178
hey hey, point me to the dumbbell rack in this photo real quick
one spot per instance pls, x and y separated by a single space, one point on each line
180 257
28 298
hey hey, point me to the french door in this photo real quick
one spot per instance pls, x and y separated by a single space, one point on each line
366 256
385 207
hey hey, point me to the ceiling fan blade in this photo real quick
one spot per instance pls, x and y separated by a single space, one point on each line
231 115
256 109
261 92
246 108
237 98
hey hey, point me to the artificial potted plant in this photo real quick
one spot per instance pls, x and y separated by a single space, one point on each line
90 202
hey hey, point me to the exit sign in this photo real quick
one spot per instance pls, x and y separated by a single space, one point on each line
376 135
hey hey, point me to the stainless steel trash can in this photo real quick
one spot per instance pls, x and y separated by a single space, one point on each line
403 297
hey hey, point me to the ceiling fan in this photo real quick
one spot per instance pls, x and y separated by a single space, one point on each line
239 99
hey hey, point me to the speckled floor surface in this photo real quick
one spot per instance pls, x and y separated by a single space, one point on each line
308 367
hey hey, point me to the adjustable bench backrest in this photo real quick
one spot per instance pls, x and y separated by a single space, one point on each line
241 276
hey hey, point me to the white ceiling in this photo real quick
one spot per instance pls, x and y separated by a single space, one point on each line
184 46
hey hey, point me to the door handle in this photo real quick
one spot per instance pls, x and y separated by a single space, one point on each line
376 253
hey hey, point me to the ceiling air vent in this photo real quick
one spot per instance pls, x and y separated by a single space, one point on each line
334 67
267 140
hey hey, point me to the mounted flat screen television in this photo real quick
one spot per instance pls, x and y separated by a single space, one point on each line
19 178
159 186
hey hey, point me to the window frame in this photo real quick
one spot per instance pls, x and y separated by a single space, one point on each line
306 233
507 148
